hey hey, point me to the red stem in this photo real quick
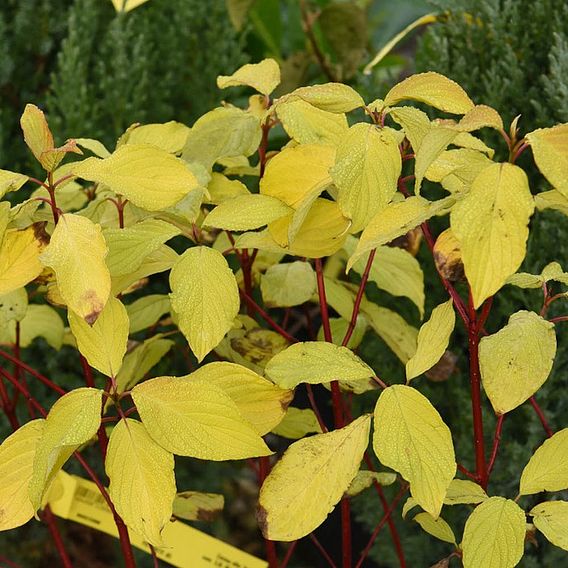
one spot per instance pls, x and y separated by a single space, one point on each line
315 408
289 553
542 417
380 525
496 442
7 406
475 381
558 319
51 523
467 473
322 550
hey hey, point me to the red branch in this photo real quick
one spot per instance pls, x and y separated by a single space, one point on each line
541 417
496 442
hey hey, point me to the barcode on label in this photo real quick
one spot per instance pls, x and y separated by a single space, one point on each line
90 497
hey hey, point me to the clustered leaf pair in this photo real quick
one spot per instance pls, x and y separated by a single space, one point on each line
337 189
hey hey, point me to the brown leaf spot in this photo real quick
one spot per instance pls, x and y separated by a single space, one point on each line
207 515
262 520
91 298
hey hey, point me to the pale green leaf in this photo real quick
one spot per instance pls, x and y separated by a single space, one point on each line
309 480
463 491
221 188
433 144
433 340
331 97
76 253
261 240
433 89
94 146
491 223
551 519
316 362
339 328
364 479
16 468
169 136
11 181
205 298
525 280
146 311
259 401
264 77
436 527
415 124
246 212
547 469
516 361
494 535
142 483
366 172
296 423
104 343
41 321
289 284
411 438
72 421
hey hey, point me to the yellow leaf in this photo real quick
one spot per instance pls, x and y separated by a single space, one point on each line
436 527
195 506
221 188
463 491
261 402
400 336
298 171
331 97
94 146
414 122
339 327
129 247
142 483
76 253
11 181
480 116
397 219
433 339
551 519
13 306
263 77
366 172
224 132
261 240
127 5
289 284
144 174
411 438
525 280
169 136
19 259
309 480
550 151
297 423
516 361
205 297
322 233
491 223
339 297
146 311
42 321
467 141
4 219
394 270
316 362
552 199
364 479
547 469
246 212
494 535
306 124
434 90
16 467
72 421
104 343
196 419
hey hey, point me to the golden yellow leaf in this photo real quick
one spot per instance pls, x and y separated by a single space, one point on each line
77 253
316 362
415 124
547 469
448 257
288 284
297 423
480 116
260 401
104 343
516 361
72 421
463 491
411 438
246 212
331 97
491 223
434 90
221 189
144 174
307 124
433 339
16 467
19 258
196 506
196 419
94 146
436 527
205 298
11 181
552 199
298 171
366 172
142 483
309 480
550 151
263 77
494 535
169 136
551 519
